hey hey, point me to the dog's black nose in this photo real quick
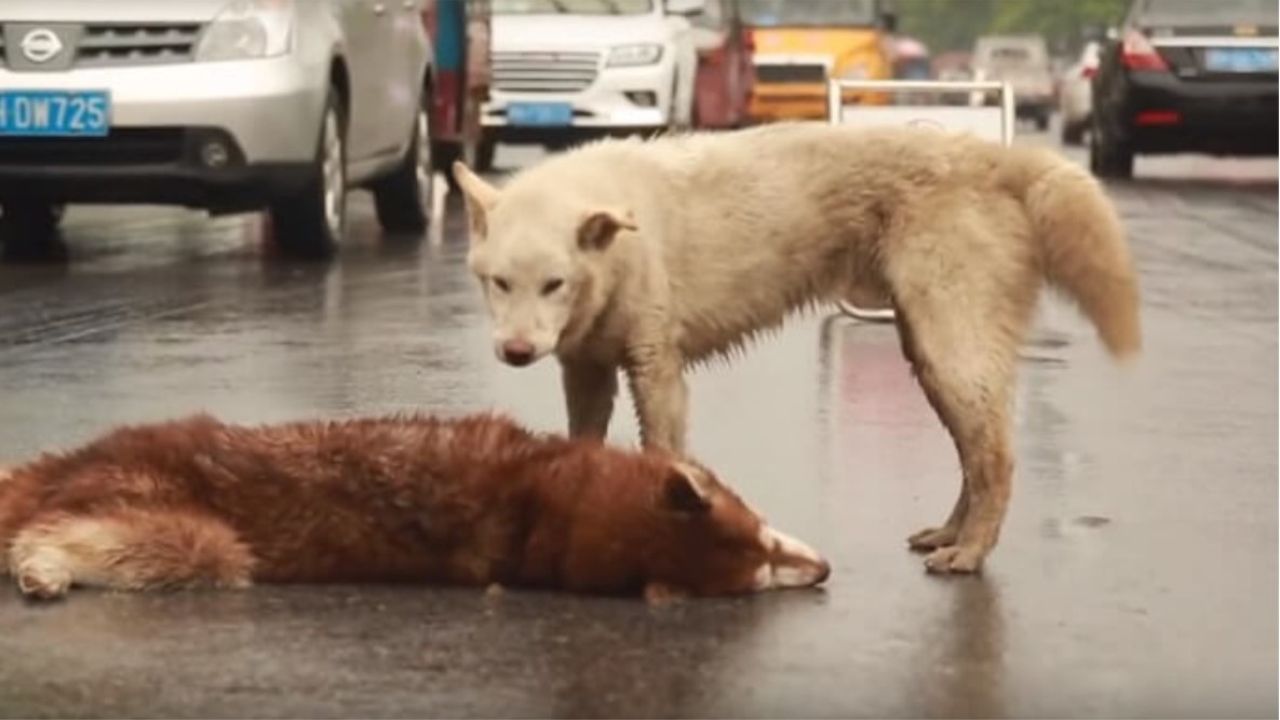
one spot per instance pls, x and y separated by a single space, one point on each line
517 352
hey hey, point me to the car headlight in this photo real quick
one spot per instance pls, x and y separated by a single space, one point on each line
633 55
248 29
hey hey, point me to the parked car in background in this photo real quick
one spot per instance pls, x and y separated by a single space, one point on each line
460 34
1075 95
800 44
214 104
1186 76
1023 62
725 72
565 70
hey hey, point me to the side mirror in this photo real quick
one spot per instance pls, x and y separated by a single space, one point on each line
687 8
890 21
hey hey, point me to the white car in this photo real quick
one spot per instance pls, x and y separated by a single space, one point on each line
1023 62
565 70
1075 98
226 105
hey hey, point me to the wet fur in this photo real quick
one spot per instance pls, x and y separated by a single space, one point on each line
736 231
470 501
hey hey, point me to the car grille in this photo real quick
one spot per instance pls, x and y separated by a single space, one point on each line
123 146
115 44
544 71
791 73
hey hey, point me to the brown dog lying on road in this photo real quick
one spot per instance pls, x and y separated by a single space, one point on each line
471 501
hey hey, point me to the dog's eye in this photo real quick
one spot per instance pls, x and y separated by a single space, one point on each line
551 286
502 284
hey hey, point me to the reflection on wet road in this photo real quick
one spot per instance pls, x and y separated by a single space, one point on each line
1136 573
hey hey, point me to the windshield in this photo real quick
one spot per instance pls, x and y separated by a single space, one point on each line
572 7
809 13
1184 12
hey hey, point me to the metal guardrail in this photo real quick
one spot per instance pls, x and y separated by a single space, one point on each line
977 91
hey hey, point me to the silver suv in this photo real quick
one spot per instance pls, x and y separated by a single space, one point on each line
227 105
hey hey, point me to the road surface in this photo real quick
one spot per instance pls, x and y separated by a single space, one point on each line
1136 575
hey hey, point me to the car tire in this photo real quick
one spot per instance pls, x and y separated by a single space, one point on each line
403 198
29 230
310 224
1073 131
444 154
1109 157
485 150
1042 120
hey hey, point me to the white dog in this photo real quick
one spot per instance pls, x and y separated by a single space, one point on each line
647 256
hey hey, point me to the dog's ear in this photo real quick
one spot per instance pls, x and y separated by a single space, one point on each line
481 197
684 490
599 227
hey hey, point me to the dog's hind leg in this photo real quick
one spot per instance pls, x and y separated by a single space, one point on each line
963 306
968 383
589 391
127 549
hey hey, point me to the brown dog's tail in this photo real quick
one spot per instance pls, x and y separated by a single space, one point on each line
1083 247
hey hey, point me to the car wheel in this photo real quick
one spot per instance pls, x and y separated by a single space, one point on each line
29 229
485 150
678 119
1072 132
403 198
1109 157
1042 120
311 223
444 154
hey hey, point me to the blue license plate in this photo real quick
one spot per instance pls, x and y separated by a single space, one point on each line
1240 60
543 114
49 113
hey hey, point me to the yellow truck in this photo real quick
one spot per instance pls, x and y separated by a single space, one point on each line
800 44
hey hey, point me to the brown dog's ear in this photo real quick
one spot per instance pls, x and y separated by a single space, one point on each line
684 491
481 197
599 227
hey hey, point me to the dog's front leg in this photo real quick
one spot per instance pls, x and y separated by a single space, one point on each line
589 390
661 397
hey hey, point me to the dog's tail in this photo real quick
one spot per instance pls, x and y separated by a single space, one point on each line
1083 247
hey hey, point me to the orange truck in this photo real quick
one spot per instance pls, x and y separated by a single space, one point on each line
801 44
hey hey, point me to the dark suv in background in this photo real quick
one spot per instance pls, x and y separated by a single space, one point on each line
1186 76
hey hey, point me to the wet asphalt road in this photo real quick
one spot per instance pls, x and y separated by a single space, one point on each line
1137 573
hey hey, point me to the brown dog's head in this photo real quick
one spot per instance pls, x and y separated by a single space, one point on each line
674 527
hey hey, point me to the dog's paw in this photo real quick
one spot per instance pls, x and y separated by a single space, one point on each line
933 538
43 582
955 559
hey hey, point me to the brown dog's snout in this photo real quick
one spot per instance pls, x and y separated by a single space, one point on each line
793 563
518 352
824 572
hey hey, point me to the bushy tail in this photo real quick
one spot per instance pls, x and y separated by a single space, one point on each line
1083 247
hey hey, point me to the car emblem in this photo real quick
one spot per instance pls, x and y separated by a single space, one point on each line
41 45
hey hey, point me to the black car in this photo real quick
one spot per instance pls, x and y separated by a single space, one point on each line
1186 76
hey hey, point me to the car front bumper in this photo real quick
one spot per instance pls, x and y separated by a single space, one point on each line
1164 114
262 113
601 108
160 165
270 107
